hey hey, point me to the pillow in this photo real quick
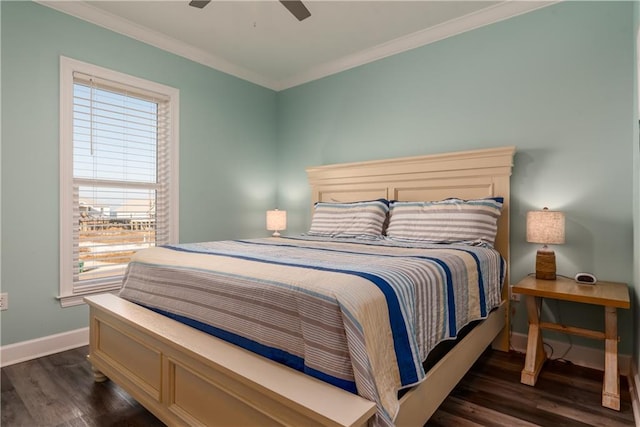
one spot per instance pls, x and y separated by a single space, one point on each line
359 219
445 221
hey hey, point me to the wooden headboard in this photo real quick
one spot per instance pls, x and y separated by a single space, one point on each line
466 175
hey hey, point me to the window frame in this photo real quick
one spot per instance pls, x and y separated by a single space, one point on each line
68 294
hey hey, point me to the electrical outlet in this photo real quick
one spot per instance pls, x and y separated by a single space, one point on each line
514 296
4 301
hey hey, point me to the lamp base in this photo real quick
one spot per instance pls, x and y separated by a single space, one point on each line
276 233
545 264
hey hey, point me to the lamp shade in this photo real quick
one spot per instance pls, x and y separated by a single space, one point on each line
276 221
545 226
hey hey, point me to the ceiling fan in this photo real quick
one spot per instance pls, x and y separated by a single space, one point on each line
296 7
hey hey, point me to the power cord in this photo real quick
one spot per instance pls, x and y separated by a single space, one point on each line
544 343
559 313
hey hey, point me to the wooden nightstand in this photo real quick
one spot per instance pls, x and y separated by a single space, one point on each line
610 295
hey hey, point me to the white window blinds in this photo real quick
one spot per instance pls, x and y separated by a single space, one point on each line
121 179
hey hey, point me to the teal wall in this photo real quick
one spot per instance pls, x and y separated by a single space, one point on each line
227 153
557 83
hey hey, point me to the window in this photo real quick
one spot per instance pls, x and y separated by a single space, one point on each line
118 174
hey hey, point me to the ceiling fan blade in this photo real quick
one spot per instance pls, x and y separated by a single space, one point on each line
199 3
297 9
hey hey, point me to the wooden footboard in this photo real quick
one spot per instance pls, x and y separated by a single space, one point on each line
187 377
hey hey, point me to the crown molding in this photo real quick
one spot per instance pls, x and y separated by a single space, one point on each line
499 12
85 11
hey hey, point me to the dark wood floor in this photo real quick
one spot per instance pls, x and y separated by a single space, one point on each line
565 395
59 390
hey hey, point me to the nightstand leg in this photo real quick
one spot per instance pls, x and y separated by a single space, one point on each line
535 350
611 385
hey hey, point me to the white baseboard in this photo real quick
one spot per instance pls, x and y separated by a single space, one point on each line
634 390
32 349
578 355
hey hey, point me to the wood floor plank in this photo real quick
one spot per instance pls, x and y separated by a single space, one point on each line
444 419
13 412
479 414
40 394
565 394
561 400
59 390
75 379
579 415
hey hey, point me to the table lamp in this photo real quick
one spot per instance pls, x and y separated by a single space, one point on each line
546 227
276 221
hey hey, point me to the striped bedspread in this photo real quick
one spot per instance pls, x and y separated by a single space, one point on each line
359 315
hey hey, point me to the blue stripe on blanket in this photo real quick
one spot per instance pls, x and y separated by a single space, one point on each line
275 354
402 346
451 298
453 332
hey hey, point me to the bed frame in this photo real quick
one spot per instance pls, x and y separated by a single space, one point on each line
187 377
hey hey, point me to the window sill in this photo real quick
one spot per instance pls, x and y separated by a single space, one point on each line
78 298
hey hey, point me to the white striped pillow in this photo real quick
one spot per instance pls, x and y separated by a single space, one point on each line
358 219
445 221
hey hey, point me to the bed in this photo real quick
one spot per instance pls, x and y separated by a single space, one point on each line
187 377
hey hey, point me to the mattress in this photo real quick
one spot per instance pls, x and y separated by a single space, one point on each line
361 315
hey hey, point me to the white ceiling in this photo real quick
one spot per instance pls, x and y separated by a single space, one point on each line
260 41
